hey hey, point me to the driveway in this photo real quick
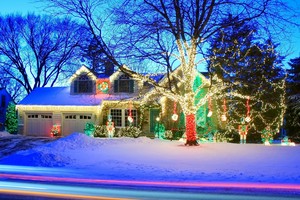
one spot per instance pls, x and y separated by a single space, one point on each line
13 143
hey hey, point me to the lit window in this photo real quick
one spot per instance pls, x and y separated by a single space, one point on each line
133 115
116 115
120 117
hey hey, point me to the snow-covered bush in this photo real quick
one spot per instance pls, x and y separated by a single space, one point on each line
129 131
100 131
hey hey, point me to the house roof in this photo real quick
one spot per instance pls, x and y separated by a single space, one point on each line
60 96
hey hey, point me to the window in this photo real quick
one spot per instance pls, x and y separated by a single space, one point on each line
46 116
123 84
83 84
120 117
70 117
3 101
33 116
85 117
133 115
116 115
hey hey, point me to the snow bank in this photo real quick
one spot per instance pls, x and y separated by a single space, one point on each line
153 159
4 134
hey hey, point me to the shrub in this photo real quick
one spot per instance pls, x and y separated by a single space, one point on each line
169 135
100 131
129 131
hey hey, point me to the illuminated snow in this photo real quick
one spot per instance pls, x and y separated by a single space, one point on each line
153 159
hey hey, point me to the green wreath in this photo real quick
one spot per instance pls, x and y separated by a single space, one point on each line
103 87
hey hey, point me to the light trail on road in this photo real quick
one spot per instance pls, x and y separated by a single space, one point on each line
58 183
232 185
70 192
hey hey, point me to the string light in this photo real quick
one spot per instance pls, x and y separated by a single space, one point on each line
209 107
83 70
248 119
175 115
223 116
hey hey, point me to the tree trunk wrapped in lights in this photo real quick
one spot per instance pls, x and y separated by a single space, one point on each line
191 133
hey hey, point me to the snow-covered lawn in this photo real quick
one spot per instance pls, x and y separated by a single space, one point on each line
153 159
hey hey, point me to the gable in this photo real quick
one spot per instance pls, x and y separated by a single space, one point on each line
83 81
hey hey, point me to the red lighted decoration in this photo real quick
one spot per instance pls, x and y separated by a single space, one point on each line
223 116
55 131
191 129
209 107
102 86
248 119
130 118
175 115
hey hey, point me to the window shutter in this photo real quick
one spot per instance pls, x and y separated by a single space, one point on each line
116 86
131 84
75 87
90 87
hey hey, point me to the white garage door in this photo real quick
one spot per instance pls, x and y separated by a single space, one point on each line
39 125
75 123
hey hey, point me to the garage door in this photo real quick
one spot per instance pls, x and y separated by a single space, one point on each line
39 125
75 123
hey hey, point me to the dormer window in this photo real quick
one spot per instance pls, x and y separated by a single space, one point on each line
83 84
123 84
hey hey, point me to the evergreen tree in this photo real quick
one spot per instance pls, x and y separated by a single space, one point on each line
94 55
11 122
254 75
293 99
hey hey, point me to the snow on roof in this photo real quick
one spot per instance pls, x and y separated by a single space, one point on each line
58 96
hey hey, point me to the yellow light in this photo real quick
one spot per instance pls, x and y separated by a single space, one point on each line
209 114
81 70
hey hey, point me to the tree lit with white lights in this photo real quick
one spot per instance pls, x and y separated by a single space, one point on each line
172 36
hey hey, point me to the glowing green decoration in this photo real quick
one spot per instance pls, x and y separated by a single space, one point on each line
200 93
89 129
159 130
11 122
267 135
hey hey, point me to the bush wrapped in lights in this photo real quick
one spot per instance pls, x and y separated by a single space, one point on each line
129 131
100 131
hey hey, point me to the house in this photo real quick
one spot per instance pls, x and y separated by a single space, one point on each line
5 98
89 98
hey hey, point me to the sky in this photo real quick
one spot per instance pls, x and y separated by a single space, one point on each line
25 6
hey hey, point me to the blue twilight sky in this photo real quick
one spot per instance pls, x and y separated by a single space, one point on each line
24 6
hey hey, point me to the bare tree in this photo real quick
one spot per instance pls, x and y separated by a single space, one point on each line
172 33
35 50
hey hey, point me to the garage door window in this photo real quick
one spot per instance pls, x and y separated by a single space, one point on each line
46 116
85 117
33 116
70 117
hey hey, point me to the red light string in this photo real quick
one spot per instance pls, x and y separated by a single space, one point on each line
130 108
248 107
175 108
224 106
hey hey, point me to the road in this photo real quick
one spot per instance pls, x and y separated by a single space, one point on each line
41 183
